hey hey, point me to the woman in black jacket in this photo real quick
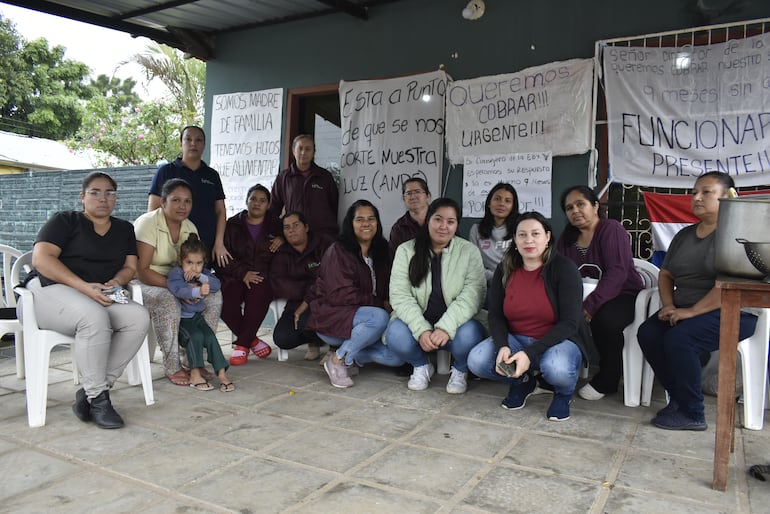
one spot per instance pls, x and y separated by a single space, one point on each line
535 320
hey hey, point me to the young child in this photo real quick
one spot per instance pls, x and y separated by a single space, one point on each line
190 282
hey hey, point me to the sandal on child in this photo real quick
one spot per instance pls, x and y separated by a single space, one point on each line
180 378
227 387
239 356
260 348
202 386
206 374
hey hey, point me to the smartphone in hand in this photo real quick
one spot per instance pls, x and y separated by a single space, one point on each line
506 369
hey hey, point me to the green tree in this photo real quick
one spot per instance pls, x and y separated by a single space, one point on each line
41 92
184 78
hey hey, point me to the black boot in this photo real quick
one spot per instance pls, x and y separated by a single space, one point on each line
81 407
102 412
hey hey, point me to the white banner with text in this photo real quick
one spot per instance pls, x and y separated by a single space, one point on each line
675 113
391 130
543 107
245 144
529 173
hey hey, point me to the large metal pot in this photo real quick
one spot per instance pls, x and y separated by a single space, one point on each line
746 217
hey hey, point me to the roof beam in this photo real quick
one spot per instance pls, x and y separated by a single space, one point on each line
348 7
167 38
153 9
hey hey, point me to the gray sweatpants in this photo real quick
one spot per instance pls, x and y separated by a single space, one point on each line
106 338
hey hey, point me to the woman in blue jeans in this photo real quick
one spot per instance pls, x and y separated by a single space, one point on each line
535 320
437 286
349 298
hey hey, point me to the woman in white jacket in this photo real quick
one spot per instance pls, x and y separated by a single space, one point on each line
437 286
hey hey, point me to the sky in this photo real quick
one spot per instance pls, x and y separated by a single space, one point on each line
103 50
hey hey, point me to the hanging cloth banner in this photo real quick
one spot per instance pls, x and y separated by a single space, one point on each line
391 130
245 142
676 113
546 107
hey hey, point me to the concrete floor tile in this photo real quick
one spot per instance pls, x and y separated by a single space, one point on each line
258 485
168 470
434 399
510 490
250 430
352 498
184 412
559 455
421 471
382 419
676 476
310 405
628 501
26 470
86 492
463 436
488 409
95 445
332 449
6 446
680 442
600 427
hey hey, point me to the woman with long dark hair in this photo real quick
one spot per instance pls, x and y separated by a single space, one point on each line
349 298
437 286
494 232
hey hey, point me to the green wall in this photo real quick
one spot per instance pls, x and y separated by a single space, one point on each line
413 36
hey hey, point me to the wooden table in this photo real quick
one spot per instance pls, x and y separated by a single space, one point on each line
736 293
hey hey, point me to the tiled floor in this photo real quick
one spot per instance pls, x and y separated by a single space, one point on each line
286 441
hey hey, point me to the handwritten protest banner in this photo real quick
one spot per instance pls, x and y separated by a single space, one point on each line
245 142
529 173
544 107
675 113
391 130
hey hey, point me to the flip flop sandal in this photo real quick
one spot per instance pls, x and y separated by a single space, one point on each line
261 349
227 387
202 386
239 356
180 378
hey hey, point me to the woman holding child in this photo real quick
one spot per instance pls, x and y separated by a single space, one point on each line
78 257
158 236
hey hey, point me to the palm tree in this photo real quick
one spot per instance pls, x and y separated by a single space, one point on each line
184 77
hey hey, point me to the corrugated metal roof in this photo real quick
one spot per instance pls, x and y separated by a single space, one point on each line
192 25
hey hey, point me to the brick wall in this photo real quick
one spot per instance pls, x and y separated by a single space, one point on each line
27 200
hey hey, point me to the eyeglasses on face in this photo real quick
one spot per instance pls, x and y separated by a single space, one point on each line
110 194
416 192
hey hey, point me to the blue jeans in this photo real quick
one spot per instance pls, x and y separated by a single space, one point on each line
368 325
559 364
674 354
403 344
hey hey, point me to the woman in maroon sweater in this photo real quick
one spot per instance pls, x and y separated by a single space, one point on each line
244 278
349 298
293 272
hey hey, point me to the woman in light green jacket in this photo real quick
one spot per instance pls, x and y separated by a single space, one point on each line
437 286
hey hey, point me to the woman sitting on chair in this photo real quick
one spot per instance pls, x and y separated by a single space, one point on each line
687 325
602 245
81 258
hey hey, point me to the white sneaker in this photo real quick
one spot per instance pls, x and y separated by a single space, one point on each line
421 377
587 392
458 381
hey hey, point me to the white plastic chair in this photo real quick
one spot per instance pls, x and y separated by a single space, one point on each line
12 265
633 359
37 355
276 307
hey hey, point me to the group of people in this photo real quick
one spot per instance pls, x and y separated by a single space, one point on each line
372 300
